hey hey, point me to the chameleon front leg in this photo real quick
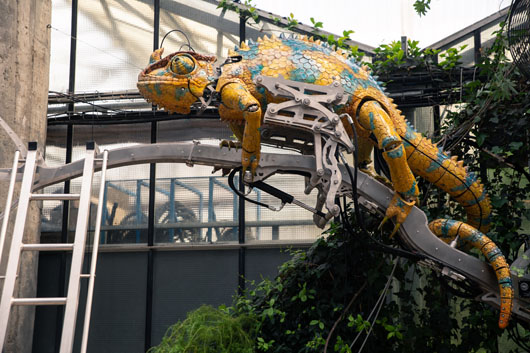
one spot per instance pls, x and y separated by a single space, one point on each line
375 119
236 98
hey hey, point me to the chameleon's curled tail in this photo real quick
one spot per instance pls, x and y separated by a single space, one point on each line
430 162
447 230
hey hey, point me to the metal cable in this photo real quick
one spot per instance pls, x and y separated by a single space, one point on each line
378 306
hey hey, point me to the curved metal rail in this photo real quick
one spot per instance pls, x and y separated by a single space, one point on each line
373 195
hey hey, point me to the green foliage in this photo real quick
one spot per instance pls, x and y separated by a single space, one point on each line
322 301
422 6
291 21
298 309
451 57
392 59
209 330
316 24
247 11
491 134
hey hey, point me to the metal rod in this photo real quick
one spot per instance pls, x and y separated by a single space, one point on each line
242 28
9 199
94 259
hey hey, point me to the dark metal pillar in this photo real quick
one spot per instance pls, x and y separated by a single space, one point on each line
241 214
151 211
477 51
477 45
68 159
241 238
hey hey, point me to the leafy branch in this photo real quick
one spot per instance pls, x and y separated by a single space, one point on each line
422 6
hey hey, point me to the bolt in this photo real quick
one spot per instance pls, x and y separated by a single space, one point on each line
335 84
259 79
306 101
320 172
317 128
276 85
328 100
524 286
297 99
272 110
339 96
335 181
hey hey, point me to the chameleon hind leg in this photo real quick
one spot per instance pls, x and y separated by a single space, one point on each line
448 230
375 119
237 103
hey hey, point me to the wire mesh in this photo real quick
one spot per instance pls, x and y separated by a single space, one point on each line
519 35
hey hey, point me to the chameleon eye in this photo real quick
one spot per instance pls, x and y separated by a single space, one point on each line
182 64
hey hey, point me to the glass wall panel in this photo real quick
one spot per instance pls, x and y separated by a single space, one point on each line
60 45
205 209
291 223
126 188
195 208
209 29
115 39
207 131
55 155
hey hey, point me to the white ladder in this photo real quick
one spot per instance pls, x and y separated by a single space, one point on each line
71 301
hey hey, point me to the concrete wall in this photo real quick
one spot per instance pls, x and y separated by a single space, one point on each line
24 68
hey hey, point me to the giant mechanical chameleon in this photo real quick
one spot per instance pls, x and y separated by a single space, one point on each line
177 81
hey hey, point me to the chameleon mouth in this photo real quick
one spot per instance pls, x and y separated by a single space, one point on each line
166 94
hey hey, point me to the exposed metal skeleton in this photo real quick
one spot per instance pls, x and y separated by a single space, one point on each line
317 133
372 195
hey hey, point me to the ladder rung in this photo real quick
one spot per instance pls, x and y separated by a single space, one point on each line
47 247
39 301
55 196
85 275
4 277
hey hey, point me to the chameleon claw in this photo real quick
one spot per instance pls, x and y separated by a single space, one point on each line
394 231
383 222
230 144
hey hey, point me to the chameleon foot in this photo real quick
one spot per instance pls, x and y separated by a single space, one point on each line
371 172
398 208
230 144
224 171
249 159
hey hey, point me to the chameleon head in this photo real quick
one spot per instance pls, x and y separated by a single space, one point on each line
176 81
